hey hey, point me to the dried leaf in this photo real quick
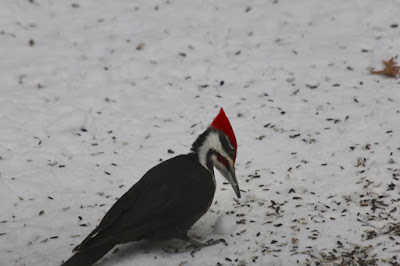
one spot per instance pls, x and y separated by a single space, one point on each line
140 46
391 68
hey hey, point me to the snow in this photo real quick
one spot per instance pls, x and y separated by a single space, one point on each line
95 93
224 225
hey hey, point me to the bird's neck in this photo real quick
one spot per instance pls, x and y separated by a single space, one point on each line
205 147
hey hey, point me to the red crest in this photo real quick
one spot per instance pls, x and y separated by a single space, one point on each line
221 122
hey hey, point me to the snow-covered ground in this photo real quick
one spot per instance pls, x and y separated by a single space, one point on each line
95 93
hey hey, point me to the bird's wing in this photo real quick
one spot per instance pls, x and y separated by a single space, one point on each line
167 194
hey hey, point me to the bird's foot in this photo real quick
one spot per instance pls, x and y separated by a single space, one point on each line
198 245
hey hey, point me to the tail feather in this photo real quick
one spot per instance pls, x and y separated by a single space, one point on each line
89 256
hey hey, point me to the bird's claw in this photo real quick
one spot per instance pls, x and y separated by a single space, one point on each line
198 246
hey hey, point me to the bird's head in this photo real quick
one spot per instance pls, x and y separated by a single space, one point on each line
217 147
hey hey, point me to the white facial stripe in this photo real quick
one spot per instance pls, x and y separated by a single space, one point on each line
217 163
212 142
225 155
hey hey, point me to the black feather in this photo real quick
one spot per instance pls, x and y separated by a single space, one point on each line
165 203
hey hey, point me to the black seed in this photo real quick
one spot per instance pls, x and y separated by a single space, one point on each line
242 221
312 86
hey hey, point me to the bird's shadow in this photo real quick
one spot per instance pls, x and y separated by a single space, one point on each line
154 247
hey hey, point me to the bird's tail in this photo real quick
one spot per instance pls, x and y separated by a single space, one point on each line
89 256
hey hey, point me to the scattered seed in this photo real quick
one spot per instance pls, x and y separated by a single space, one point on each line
315 86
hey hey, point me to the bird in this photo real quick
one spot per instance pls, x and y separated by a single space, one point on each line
169 198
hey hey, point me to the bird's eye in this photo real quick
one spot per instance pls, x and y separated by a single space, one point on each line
231 153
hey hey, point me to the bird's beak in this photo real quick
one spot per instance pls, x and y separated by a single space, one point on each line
231 177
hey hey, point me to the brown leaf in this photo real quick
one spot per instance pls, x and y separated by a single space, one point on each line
391 68
140 46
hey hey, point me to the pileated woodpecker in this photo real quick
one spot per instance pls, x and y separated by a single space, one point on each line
169 198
